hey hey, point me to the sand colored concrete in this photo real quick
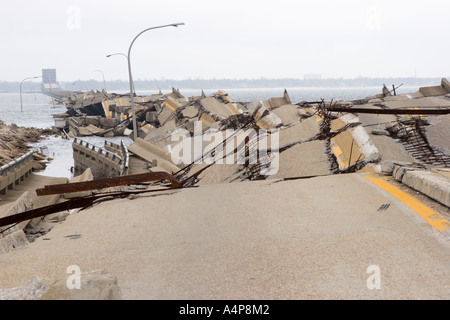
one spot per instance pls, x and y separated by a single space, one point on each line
306 159
33 182
299 239
401 102
388 148
438 132
288 113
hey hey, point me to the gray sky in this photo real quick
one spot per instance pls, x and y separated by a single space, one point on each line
225 39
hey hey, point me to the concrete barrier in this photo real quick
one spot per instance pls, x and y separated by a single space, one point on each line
434 185
15 171
416 176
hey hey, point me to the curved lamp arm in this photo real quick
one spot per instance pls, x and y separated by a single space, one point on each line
135 129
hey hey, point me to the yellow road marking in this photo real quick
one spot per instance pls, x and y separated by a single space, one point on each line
422 210
339 155
105 105
420 116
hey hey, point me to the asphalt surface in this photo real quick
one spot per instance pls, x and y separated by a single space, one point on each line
334 237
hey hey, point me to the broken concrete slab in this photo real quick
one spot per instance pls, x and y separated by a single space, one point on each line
151 152
216 107
433 91
418 103
217 173
288 113
304 130
190 111
161 153
305 159
438 132
445 84
89 130
161 136
280 101
266 119
85 176
388 166
13 241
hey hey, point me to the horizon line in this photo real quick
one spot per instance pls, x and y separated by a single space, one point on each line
251 79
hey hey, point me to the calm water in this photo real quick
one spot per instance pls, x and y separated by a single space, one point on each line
37 110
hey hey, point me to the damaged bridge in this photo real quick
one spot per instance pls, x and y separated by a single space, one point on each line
110 161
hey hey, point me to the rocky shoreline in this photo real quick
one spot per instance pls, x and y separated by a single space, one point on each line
15 140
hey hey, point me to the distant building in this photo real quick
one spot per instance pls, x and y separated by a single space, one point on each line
50 86
312 76
49 76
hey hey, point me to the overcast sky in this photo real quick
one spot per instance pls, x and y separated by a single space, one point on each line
225 39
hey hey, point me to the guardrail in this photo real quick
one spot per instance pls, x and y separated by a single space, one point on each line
15 171
126 157
103 162
99 150
122 150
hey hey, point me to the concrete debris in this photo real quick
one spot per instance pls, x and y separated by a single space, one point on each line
186 142
314 138
14 141
13 241
85 176
156 156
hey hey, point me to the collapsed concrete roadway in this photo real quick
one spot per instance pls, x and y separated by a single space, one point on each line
343 218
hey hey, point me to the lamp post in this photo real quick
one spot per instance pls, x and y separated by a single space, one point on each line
103 76
21 108
115 54
135 129
126 57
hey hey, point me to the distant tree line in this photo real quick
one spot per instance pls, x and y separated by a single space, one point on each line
166 84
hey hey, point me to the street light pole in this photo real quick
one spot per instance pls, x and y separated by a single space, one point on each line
115 54
103 76
126 57
135 128
21 108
